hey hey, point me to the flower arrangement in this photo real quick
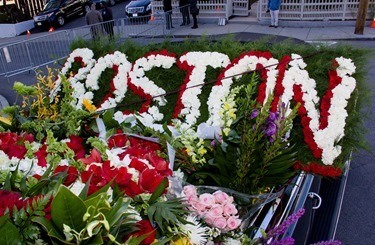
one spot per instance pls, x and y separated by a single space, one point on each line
117 150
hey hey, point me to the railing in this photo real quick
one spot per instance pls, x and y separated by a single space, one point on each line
316 10
30 54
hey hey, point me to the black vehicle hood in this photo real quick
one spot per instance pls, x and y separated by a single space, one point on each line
47 11
138 3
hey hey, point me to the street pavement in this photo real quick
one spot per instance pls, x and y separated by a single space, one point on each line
357 220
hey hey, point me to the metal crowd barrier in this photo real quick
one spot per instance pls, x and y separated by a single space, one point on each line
34 52
40 51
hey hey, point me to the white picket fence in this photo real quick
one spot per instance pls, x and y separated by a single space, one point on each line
316 10
298 10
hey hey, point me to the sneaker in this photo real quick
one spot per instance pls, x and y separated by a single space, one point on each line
194 27
276 26
182 24
271 26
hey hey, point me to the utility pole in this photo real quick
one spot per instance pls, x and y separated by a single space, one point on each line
361 16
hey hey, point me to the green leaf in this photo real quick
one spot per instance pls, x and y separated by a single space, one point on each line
68 209
49 228
117 211
108 119
85 190
104 189
96 240
158 191
9 232
7 183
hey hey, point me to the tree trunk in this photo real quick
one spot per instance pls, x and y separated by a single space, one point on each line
361 17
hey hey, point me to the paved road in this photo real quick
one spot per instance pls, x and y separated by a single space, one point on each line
357 220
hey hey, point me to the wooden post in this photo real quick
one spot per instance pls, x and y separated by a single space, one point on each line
361 16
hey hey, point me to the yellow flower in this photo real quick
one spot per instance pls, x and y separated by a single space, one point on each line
232 114
226 131
189 150
88 105
202 151
6 120
226 106
181 241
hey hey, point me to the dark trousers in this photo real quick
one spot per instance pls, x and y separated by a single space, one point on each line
195 22
185 15
168 19
108 27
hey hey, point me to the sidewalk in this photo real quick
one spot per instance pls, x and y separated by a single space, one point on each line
308 34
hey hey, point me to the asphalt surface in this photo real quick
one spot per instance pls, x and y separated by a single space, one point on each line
356 225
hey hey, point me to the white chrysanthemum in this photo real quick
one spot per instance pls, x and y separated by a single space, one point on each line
231 241
196 232
77 187
4 161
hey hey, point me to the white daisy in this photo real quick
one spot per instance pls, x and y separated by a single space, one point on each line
196 232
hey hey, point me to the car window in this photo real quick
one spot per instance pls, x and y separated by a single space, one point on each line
52 4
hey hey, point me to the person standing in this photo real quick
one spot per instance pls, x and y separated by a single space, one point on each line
184 9
93 19
274 8
167 6
194 10
107 16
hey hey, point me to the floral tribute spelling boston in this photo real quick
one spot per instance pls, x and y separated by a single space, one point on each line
173 145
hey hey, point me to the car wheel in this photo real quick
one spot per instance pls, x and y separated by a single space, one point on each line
60 20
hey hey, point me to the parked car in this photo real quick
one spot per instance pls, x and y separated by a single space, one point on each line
138 8
57 12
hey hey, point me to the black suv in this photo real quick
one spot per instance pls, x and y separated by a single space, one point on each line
138 8
56 12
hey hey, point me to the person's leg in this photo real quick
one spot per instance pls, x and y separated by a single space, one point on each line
187 15
272 13
195 22
276 18
168 20
183 13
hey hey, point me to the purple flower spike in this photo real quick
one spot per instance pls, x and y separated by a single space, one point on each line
285 241
272 116
280 229
270 129
254 113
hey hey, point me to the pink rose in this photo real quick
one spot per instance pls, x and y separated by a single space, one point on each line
230 209
198 206
209 219
190 190
220 223
207 199
233 222
216 211
221 197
